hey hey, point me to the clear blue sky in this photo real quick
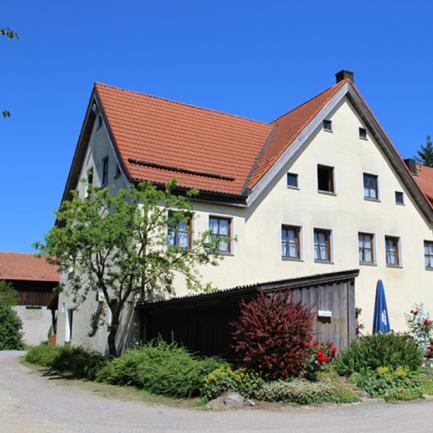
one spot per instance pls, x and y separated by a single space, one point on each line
254 58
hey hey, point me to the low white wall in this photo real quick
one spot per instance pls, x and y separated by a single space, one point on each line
36 323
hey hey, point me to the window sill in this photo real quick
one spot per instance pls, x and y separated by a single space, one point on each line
327 192
363 138
291 259
325 262
367 264
394 266
293 187
376 200
400 204
429 269
225 254
328 130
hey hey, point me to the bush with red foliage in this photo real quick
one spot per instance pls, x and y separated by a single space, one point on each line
272 335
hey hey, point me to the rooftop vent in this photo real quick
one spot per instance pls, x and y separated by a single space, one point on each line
344 75
412 166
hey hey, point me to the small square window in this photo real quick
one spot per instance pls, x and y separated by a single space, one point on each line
292 180
363 133
392 249
325 178
399 198
428 254
370 187
322 245
290 242
327 125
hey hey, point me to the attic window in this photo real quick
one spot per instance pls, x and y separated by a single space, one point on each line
363 133
325 178
399 198
117 172
327 125
104 174
98 122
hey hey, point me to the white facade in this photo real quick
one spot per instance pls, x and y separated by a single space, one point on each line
256 251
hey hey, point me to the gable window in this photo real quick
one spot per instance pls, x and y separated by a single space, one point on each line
327 125
179 231
325 178
220 229
392 250
366 249
428 254
363 133
290 242
117 171
104 174
292 180
399 198
370 187
89 182
322 245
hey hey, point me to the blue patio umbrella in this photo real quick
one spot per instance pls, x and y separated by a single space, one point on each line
381 319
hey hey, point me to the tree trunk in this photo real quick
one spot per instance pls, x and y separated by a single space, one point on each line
112 333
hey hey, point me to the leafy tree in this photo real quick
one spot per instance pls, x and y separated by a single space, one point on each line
425 154
117 245
10 323
10 34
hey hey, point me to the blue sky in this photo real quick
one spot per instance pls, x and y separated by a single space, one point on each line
253 58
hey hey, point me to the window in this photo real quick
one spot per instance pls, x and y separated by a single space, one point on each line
325 178
117 171
104 176
179 231
392 251
89 181
292 180
366 250
327 125
220 228
290 242
370 187
428 254
399 198
322 245
363 133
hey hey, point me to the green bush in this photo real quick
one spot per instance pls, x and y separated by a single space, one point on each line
69 361
160 368
390 384
374 351
223 379
10 329
42 355
300 391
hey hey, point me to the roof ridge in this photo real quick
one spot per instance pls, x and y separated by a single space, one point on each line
185 104
309 100
18 253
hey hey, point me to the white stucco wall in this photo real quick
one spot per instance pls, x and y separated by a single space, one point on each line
256 251
36 323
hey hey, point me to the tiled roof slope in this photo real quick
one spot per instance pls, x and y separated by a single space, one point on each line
214 151
425 181
27 267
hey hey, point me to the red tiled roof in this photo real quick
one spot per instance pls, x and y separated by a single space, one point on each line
27 267
159 139
425 181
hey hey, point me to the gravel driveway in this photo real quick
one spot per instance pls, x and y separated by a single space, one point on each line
30 403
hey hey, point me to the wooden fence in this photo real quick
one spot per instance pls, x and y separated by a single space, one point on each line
202 322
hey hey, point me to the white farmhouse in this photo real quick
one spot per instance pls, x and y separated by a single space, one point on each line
320 189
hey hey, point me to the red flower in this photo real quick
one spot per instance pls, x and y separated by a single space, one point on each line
315 344
320 352
330 344
426 322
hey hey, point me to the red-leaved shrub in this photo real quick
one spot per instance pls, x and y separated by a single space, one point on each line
272 335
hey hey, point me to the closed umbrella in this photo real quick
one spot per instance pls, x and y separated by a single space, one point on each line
381 319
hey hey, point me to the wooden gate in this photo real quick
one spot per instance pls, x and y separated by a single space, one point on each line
202 322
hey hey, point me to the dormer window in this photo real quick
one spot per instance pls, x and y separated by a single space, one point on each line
363 133
327 125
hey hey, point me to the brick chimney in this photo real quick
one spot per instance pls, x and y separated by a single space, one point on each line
412 166
344 75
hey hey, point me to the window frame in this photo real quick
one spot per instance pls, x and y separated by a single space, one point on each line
105 171
397 253
401 194
362 133
188 231
294 176
429 255
327 125
229 235
296 243
363 248
328 245
376 178
331 180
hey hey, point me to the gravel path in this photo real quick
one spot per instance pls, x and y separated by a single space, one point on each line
30 403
